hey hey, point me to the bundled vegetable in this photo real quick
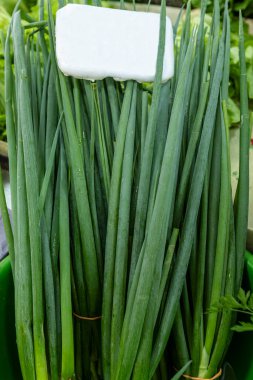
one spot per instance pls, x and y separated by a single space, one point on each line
215 270
233 103
122 206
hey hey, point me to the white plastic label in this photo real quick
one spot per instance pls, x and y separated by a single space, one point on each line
95 43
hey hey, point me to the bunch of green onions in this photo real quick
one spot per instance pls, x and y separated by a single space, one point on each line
121 202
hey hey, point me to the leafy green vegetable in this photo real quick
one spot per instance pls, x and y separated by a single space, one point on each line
243 303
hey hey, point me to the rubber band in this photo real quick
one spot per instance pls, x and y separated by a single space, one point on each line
201 378
87 318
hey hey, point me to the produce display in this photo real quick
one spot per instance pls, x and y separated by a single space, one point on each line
125 237
234 77
30 13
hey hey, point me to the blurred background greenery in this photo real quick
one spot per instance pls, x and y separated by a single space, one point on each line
246 6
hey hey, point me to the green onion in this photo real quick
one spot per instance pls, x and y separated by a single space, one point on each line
125 235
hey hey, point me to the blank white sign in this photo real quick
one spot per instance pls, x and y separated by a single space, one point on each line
95 43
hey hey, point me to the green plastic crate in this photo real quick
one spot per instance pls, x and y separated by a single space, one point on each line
9 364
240 355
